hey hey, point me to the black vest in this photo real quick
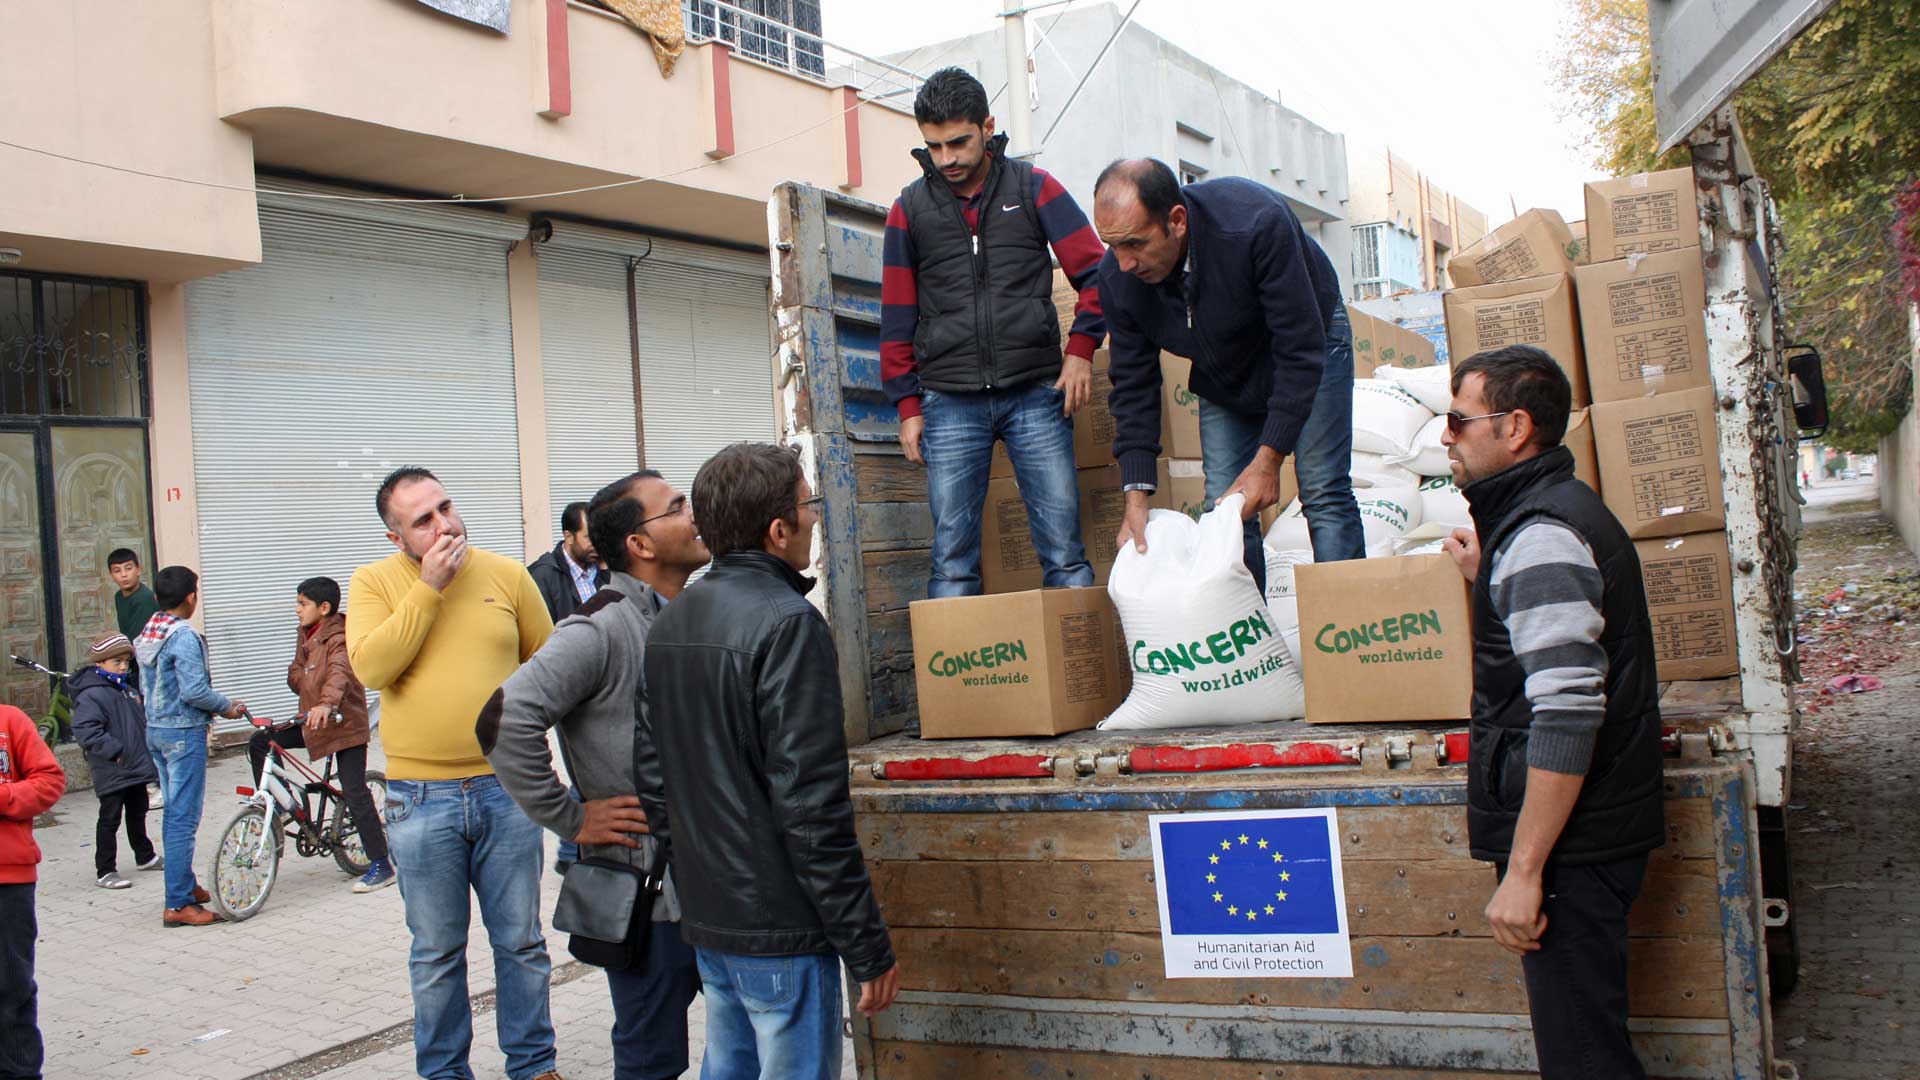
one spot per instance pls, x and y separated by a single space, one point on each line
986 309
1620 811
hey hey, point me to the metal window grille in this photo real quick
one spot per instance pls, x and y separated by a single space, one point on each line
72 347
783 33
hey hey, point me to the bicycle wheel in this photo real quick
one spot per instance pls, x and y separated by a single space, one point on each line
343 833
242 874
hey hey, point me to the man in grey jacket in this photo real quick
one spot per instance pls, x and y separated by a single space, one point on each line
585 681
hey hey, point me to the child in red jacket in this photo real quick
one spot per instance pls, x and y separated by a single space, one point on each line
31 781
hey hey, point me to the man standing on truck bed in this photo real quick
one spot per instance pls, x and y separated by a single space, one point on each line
1221 272
969 341
1564 781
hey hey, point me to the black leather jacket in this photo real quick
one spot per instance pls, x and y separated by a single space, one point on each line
741 764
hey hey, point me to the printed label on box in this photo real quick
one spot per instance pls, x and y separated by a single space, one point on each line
1517 323
1639 221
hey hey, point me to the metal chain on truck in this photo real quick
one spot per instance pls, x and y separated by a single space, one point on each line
1767 397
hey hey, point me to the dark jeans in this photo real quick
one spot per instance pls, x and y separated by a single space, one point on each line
351 764
21 1052
130 803
1577 979
650 1009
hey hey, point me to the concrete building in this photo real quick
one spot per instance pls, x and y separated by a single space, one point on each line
1149 98
1405 227
216 337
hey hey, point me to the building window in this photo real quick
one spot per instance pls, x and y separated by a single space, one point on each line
71 347
783 33
1191 173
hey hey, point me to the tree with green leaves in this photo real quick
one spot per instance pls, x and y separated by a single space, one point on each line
1834 125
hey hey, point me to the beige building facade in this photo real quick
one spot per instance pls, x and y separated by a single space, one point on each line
238 284
1405 227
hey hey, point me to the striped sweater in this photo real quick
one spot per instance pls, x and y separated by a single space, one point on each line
1546 589
1074 245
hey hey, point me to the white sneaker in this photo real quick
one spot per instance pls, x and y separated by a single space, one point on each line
112 880
158 862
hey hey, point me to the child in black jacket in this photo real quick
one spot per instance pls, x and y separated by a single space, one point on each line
110 724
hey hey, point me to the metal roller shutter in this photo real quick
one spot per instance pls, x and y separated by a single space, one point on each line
368 338
587 360
706 373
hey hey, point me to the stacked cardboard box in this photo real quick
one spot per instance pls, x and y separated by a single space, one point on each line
1534 244
1642 319
1093 428
1379 343
1642 214
1537 311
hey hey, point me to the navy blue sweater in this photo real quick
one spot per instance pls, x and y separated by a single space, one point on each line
1250 310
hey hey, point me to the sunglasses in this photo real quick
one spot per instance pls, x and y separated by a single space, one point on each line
1457 423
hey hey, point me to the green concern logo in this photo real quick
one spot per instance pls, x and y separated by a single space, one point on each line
1391 630
1223 647
984 658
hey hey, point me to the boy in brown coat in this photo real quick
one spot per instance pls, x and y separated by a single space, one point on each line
333 711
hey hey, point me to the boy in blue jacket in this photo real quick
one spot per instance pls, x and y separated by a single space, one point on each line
111 726
181 705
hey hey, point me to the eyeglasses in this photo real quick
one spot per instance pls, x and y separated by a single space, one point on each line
1457 423
674 509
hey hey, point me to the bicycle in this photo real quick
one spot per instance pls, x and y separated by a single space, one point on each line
307 808
57 724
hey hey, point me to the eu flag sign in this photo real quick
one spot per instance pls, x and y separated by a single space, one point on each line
1253 894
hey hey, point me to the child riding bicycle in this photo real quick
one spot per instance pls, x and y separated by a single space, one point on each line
333 706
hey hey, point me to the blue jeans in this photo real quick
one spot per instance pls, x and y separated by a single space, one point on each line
958 445
650 1009
449 838
1322 459
771 1017
181 753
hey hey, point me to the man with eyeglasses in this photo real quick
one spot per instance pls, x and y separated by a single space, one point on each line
1221 272
586 682
1563 771
742 768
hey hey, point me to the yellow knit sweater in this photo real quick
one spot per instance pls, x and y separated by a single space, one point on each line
435 657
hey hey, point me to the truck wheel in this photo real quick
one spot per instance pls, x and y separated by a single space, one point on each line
1776 881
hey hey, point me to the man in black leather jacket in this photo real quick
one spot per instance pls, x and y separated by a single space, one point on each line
741 764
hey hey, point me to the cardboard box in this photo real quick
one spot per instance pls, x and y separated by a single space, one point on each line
1179 408
1643 321
1535 243
1064 300
1532 311
1008 561
1385 640
1377 342
1660 463
1645 212
1579 439
1103 505
1042 662
1577 251
1689 582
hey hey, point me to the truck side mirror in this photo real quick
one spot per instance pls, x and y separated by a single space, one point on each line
1809 390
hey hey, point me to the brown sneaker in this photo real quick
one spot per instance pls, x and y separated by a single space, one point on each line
191 915
201 896
550 1074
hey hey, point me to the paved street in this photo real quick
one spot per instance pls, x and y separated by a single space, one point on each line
1854 819
314 986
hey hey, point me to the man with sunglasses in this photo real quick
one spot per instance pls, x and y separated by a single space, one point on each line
1564 771
742 766
586 681
1222 273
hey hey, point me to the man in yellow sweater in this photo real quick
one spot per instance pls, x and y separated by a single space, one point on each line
436 627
